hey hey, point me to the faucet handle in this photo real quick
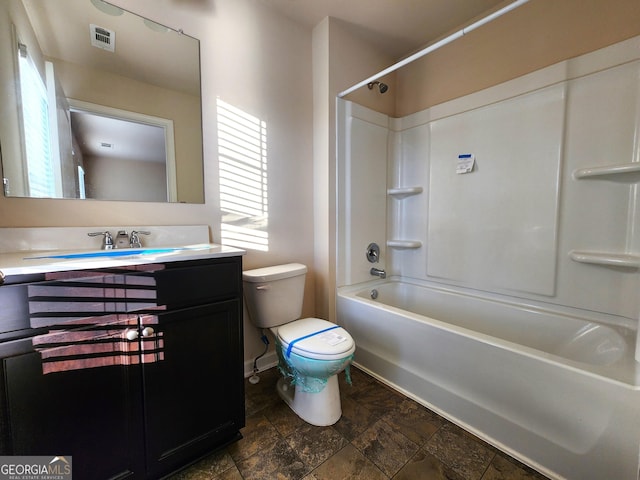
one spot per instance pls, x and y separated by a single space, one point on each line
373 253
107 242
134 240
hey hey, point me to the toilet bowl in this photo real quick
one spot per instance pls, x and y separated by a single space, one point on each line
311 351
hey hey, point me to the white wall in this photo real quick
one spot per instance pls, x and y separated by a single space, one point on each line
363 139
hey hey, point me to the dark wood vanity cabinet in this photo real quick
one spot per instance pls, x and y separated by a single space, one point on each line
133 372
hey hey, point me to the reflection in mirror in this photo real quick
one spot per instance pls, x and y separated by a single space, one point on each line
98 103
124 155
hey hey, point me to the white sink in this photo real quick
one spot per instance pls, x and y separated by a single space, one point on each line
115 253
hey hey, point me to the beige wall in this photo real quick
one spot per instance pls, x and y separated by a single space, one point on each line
535 35
135 181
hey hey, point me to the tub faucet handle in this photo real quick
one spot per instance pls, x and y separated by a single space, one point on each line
373 253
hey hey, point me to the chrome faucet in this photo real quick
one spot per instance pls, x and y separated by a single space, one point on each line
122 239
378 272
134 241
107 242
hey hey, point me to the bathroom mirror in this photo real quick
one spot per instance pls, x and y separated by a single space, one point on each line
98 103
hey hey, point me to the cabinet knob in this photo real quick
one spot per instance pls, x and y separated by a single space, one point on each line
131 334
147 332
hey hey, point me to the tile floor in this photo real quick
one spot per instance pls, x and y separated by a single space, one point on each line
381 435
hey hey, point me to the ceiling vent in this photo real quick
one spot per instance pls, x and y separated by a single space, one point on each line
103 38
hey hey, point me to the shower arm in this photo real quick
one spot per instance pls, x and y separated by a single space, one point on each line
435 46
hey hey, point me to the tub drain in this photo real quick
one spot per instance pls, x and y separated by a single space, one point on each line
374 294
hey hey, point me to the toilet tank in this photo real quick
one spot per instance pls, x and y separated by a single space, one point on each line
274 294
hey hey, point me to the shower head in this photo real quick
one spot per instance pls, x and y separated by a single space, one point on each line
383 87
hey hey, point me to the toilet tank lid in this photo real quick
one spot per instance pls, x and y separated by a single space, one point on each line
276 272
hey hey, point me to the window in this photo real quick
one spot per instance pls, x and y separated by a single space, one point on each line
35 122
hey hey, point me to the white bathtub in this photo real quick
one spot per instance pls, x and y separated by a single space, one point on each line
557 391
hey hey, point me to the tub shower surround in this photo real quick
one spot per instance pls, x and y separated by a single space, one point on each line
512 244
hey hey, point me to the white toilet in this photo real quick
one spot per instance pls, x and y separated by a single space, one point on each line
311 351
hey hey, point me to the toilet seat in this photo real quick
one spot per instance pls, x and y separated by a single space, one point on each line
316 338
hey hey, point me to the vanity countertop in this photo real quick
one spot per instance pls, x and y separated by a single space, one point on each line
38 261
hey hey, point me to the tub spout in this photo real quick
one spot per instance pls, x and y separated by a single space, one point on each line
378 272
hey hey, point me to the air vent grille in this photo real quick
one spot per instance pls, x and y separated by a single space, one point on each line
103 38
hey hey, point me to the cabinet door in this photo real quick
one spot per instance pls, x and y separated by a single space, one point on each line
193 383
74 387
58 407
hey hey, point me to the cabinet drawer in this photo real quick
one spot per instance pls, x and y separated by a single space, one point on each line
194 285
14 308
61 297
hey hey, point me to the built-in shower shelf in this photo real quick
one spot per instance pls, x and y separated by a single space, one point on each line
605 258
406 244
403 192
623 172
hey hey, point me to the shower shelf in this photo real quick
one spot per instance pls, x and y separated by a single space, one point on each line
404 244
404 192
625 171
606 258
